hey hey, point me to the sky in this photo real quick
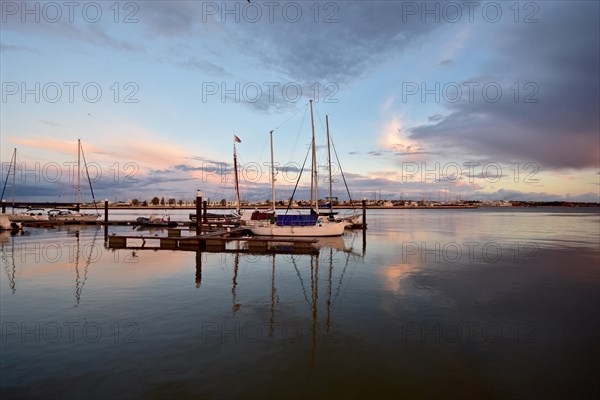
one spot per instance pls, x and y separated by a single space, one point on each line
425 100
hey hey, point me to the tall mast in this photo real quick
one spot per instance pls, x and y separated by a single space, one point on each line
14 179
272 174
78 172
329 161
237 186
314 175
12 165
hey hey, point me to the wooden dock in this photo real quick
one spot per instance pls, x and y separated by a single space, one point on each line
215 242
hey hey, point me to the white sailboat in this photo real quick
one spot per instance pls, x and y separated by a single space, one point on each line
24 215
76 216
29 215
237 214
312 225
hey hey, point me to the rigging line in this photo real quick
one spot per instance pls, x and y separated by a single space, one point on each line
12 162
342 172
287 120
297 182
264 146
87 172
321 123
277 128
298 134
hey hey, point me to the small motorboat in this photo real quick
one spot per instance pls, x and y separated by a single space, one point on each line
155 220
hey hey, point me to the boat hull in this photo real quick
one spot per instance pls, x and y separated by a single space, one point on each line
7 225
27 218
318 230
79 218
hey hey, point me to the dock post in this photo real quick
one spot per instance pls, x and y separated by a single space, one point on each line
106 212
3 206
198 212
205 206
364 210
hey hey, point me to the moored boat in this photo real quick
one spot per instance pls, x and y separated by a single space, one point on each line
71 216
156 220
312 225
7 225
30 215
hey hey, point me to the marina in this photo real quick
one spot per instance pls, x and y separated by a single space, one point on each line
299 200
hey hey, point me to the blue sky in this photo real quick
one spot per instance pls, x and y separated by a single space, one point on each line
483 100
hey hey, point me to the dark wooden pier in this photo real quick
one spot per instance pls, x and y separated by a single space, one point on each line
214 241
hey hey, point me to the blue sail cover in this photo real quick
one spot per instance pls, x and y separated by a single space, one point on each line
297 220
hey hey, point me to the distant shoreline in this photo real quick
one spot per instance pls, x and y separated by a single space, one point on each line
193 208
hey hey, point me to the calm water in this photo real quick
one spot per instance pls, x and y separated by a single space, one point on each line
488 303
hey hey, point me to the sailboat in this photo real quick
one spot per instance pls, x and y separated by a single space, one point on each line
76 216
232 217
312 225
28 214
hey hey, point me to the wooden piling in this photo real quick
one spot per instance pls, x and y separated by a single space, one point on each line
205 206
198 212
106 212
364 214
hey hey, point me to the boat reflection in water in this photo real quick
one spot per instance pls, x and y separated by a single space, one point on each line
299 276
7 248
514 316
83 255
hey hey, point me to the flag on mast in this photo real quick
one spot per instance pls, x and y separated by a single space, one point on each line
236 139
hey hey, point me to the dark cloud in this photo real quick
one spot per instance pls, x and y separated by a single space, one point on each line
88 33
555 62
359 37
435 118
49 123
205 66
5 48
207 161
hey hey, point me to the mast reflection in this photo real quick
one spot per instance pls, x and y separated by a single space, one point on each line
9 266
235 306
79 279
273 291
